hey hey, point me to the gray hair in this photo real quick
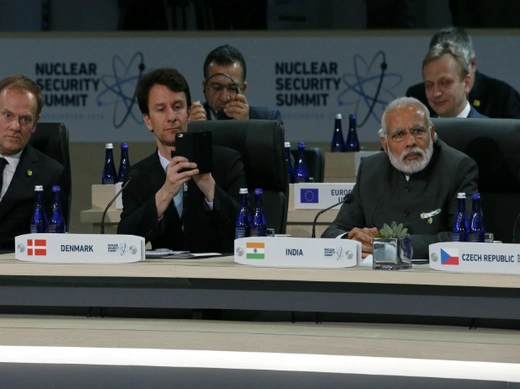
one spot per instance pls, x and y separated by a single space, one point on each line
402 102
446 48
459 38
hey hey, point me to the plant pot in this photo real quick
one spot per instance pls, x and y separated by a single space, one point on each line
392 253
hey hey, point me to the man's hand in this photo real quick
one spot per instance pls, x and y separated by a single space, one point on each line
365 236
197 112
173 183
238 108
206 184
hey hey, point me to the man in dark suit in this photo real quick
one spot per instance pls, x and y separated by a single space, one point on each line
491 97
447 82
224 85
414 182
167 205
21 166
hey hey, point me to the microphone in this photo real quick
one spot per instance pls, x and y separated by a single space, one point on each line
133 174
514 228
349 197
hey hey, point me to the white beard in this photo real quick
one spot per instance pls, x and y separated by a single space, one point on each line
412 166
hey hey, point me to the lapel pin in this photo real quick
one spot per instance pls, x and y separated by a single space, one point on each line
429 215
29 172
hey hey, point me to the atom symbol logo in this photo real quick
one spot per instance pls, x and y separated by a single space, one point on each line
120 89
369 87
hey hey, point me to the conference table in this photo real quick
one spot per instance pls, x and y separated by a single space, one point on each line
300 299
220 283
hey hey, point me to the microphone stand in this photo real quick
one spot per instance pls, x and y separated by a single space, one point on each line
112 202
318 215
514 228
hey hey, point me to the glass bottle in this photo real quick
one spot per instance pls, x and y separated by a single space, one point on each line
242 225
38 219
259 226
56 221
125 162
109 170
301 174
476 226
290 170
461 227
352 143
338 142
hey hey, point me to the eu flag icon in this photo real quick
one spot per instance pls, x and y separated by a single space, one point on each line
309 195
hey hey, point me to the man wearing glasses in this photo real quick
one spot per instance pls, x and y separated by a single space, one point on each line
224 85
414 182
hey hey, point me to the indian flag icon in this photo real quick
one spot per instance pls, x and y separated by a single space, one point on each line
255 250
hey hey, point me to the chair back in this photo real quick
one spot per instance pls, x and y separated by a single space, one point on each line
494 144
315 160
52 139
261 144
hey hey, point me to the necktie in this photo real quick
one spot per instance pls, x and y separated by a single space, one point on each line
177 200
3 162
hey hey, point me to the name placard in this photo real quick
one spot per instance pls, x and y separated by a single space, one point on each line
297 252
119 199
320 195
79 248
469 257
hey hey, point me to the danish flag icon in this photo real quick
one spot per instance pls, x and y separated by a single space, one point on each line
36 247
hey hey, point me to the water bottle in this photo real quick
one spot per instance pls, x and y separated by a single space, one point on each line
290 170
244 217
109 170
338 142
56 221
301 174
476 226
461 227
259 226
38 219
125 162
352 143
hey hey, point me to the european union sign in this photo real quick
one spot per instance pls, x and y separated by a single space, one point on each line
309 195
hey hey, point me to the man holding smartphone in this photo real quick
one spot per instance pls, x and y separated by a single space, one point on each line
170 203
224 85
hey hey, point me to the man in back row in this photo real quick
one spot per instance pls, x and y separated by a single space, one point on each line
224 85
491 97
414 182
447 82
21 165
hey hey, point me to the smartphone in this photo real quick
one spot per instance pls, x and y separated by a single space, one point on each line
221 115
197 147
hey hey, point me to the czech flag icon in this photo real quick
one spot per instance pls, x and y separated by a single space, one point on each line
449 256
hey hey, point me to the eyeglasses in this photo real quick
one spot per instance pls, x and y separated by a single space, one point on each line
232 89
418 133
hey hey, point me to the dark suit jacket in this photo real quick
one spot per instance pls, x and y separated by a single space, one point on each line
473 113
205 230
383 195
492 98
16 208
256 112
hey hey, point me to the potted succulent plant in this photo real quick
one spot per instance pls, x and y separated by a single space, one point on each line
392 248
